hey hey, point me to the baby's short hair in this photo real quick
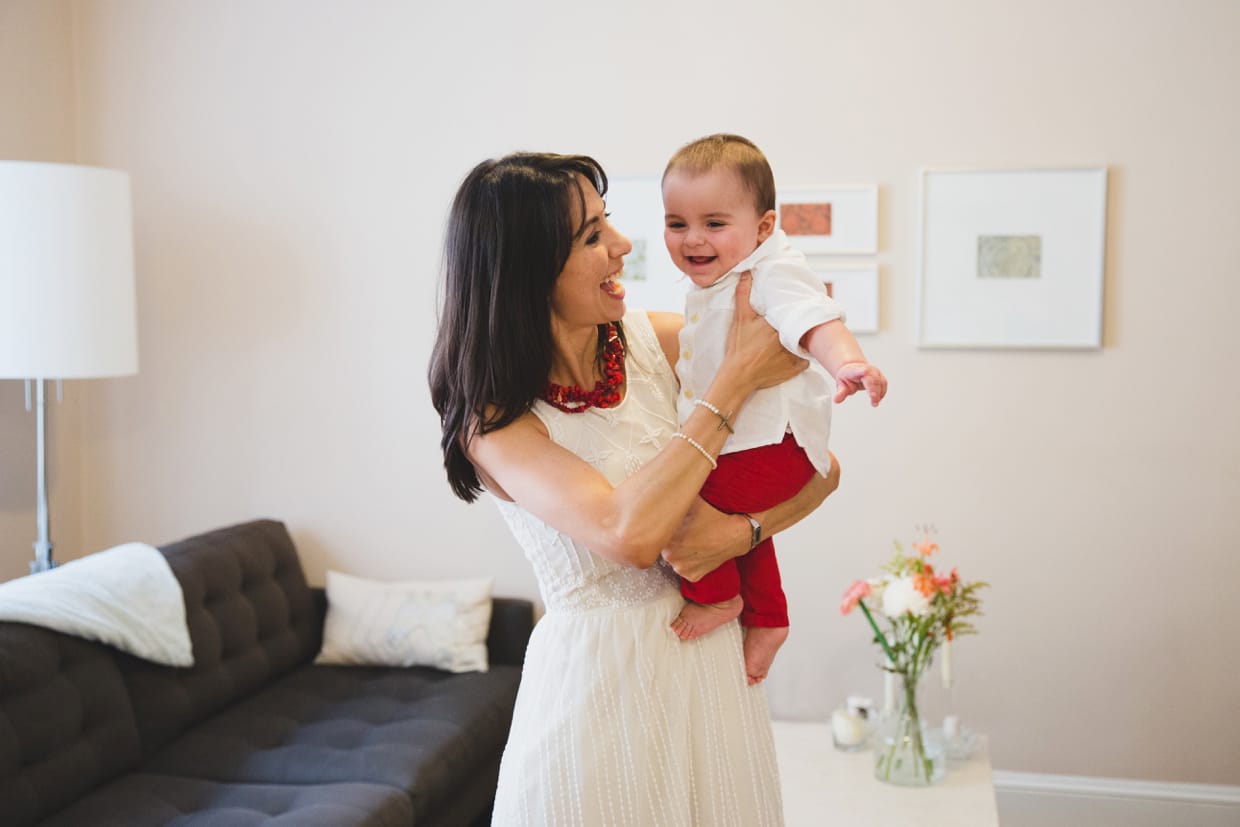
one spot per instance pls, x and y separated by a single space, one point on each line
732 151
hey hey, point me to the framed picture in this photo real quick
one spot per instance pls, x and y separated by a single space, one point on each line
856 289
1012 258
650 280
837 221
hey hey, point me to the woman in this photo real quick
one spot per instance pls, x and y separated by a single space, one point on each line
562 406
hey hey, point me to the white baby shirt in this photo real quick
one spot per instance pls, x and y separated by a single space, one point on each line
793 300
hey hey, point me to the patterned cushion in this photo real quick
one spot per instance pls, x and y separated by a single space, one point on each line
407 623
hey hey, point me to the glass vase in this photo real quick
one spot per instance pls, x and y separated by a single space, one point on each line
903 754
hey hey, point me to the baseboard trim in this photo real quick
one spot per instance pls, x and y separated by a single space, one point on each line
1082 785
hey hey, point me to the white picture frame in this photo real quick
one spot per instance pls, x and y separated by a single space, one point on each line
651 281
855 287
830 221
1012 258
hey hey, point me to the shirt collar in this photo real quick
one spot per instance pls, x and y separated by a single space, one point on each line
776 242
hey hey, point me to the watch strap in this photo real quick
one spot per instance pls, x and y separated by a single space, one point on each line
755 530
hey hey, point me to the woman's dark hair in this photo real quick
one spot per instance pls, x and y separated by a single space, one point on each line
509 235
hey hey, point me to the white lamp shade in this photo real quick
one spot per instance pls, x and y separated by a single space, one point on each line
66 272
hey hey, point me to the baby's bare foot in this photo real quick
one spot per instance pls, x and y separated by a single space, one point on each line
761 644
696 619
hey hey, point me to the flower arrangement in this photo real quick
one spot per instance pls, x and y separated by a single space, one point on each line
923 610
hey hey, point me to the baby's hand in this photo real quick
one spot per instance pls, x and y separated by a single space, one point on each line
854 376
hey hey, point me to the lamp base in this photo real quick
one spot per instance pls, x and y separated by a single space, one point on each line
42 557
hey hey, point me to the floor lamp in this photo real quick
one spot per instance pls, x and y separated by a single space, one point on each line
66 289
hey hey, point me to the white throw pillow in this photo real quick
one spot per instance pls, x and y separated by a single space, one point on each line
409 623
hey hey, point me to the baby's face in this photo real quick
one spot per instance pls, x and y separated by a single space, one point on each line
711 223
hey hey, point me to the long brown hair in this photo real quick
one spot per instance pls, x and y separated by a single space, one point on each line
509 235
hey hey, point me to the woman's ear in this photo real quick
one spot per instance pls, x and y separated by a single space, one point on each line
766 225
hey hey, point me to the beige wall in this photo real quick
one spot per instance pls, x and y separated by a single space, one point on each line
37 124
291 165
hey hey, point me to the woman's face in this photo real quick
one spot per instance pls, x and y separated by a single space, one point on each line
587 291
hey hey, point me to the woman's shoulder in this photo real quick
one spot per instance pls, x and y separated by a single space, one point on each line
504 446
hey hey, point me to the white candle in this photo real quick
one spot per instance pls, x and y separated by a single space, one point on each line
889 692
947 664
847 727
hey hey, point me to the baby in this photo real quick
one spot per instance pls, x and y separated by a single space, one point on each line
719 200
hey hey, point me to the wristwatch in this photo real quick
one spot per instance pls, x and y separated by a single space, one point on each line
755 530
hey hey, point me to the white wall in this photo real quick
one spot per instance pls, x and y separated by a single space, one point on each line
291 166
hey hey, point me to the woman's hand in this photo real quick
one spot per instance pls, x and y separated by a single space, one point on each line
753 348
706 539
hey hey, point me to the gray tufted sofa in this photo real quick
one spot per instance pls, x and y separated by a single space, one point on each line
254 732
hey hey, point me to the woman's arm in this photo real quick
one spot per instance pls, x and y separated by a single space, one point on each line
707 537
633 522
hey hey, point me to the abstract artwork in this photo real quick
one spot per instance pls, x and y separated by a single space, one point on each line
1009 256
805 219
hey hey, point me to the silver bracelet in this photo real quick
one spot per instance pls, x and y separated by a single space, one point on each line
723 418
698 445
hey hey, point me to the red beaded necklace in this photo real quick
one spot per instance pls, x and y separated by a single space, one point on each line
606 391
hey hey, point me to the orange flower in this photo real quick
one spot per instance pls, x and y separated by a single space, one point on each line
925 582
925 548
853 595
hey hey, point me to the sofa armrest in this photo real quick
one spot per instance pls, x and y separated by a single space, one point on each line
512 620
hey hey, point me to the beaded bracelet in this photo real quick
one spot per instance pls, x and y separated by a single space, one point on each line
723 418
698 445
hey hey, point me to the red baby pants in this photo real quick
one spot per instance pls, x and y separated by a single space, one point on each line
747 481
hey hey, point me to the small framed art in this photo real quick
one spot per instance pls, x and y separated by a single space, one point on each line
856 289
1012 258
651 281
835 221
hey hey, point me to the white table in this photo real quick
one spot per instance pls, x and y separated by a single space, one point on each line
823 786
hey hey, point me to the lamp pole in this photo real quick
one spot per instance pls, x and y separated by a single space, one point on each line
43 545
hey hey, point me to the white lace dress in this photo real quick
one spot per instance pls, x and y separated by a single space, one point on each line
618 722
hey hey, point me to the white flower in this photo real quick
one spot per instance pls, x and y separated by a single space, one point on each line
902 596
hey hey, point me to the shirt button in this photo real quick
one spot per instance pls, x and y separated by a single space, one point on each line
693 318
688 394
686 354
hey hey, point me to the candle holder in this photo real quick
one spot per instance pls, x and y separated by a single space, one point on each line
959 742
853 724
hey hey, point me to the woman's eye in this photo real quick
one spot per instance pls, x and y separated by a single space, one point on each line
592 239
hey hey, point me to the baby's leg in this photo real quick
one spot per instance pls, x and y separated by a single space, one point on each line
761 644
765 616
696 619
